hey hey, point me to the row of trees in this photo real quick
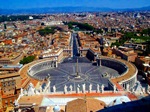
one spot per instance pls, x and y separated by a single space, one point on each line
128 36
83 27
49 30
17 17
46 31
27 60
147 48
146 31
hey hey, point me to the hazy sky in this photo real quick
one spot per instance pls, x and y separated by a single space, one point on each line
21 4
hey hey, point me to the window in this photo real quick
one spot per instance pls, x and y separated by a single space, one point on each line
6 101
4 84
9 83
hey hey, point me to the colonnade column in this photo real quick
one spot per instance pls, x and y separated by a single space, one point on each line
56 64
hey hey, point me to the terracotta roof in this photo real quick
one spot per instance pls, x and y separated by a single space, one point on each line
8 96
31 99
85 105
8 41
16 74
9 109
131 71
18 83
24 75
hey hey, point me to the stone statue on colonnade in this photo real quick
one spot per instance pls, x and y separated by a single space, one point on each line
71 87
90 87
54 88
78 88
65 89
83 88
102 88
98 88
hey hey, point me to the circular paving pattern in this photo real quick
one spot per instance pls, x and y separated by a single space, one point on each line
77 78
66 75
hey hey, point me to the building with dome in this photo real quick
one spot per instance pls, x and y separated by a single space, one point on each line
63 83
56 108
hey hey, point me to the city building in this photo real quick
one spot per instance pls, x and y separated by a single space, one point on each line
125 53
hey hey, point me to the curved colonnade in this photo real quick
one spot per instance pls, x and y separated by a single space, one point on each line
127 71
41 66
27 78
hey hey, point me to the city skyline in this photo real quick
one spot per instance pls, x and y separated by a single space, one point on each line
115 4
54 58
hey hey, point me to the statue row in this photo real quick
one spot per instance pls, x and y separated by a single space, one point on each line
67 89
79 88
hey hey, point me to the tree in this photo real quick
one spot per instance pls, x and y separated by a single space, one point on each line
49 30
148 48
146 31
5 27
81 26
26 60
42 24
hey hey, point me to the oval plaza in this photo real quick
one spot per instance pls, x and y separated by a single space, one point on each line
79 75
76 74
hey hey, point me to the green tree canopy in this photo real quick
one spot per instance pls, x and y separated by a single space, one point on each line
81 26
133 35
18 17
26 60
146 31
49 30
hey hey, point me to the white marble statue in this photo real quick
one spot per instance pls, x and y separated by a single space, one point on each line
31 90
21 92
78 88
98 88
83 87
114 87
47 88
127 87
54 88
90 87
31 85
102 88
16 103
70 88
65 89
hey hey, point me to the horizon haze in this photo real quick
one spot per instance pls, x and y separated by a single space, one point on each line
114 4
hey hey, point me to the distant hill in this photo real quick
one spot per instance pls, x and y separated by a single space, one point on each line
145 8
66 10
137 9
